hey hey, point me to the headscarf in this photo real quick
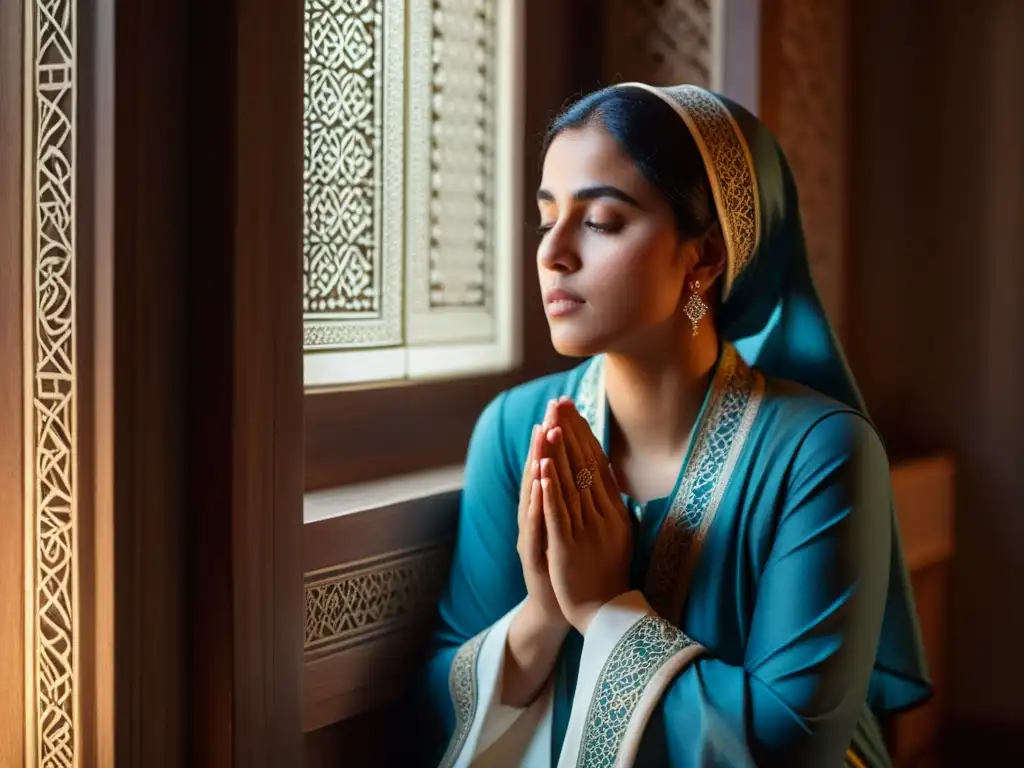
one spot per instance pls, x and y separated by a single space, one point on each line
771 312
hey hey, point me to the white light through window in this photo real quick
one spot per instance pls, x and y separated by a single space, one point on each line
412 188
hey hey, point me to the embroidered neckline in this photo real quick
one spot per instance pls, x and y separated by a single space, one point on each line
718 437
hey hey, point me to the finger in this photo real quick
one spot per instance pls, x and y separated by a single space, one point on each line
589 445
566 478
530 472
555 518
581 427
578 451
606 490
594 459
534 525
580 457
545 425
572 515
549 414
531 455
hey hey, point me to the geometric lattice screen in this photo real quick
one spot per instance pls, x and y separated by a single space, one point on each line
661 42
411 137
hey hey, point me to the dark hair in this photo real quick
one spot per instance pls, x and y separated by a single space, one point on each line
657 141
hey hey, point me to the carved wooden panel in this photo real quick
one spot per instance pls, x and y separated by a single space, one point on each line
352 234
411 186
355 602
51 494
661 42
456 95
372 581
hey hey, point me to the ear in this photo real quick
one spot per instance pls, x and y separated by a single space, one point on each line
711 257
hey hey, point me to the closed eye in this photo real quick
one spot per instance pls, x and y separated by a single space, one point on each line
604 229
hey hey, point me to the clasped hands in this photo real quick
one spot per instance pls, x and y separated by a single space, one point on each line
575 534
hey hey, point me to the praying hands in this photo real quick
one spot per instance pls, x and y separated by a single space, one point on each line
588 529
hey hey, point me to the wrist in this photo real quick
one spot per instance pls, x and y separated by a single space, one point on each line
585 613
543 620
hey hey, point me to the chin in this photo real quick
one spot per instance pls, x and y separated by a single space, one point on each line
575 343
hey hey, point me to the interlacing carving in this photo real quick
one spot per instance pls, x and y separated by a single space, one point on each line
354 602
342 155
51 497
352 135
661 42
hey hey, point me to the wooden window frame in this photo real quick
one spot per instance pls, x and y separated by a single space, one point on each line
361 434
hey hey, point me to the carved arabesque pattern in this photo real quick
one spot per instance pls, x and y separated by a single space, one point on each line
659 42
348 604
342 155
51 503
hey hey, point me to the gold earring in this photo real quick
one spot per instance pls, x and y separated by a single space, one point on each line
695 308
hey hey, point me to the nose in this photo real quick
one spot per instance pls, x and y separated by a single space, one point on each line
558 250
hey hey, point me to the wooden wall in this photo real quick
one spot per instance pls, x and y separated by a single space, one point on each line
935 317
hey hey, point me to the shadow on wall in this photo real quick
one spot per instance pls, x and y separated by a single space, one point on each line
935 316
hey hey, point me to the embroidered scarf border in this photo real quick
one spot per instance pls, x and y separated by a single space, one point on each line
729 165
462 685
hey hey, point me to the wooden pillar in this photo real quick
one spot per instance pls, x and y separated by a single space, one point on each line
141 492
244 470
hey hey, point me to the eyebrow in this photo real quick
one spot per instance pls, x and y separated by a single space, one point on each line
592 193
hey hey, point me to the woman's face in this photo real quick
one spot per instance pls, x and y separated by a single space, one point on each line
611 264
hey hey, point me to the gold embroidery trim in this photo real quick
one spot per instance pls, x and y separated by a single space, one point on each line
729 165
719 438
634 661
462 685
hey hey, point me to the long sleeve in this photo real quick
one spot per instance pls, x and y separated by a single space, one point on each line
649 693
485 588
820 599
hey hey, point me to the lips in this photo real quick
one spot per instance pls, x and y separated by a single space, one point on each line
561 302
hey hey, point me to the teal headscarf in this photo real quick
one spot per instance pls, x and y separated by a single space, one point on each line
772 313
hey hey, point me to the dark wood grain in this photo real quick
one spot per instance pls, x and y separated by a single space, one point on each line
130 234
244 391
210 74
771 63
149 309
12 478
361 679
414 524
268 426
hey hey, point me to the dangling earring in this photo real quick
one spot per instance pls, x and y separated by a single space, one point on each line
695 308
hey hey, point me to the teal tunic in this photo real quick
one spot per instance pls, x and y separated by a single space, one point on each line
787 592
778 550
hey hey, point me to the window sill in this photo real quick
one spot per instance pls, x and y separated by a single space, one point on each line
402 491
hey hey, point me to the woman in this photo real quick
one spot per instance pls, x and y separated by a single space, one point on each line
756 608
